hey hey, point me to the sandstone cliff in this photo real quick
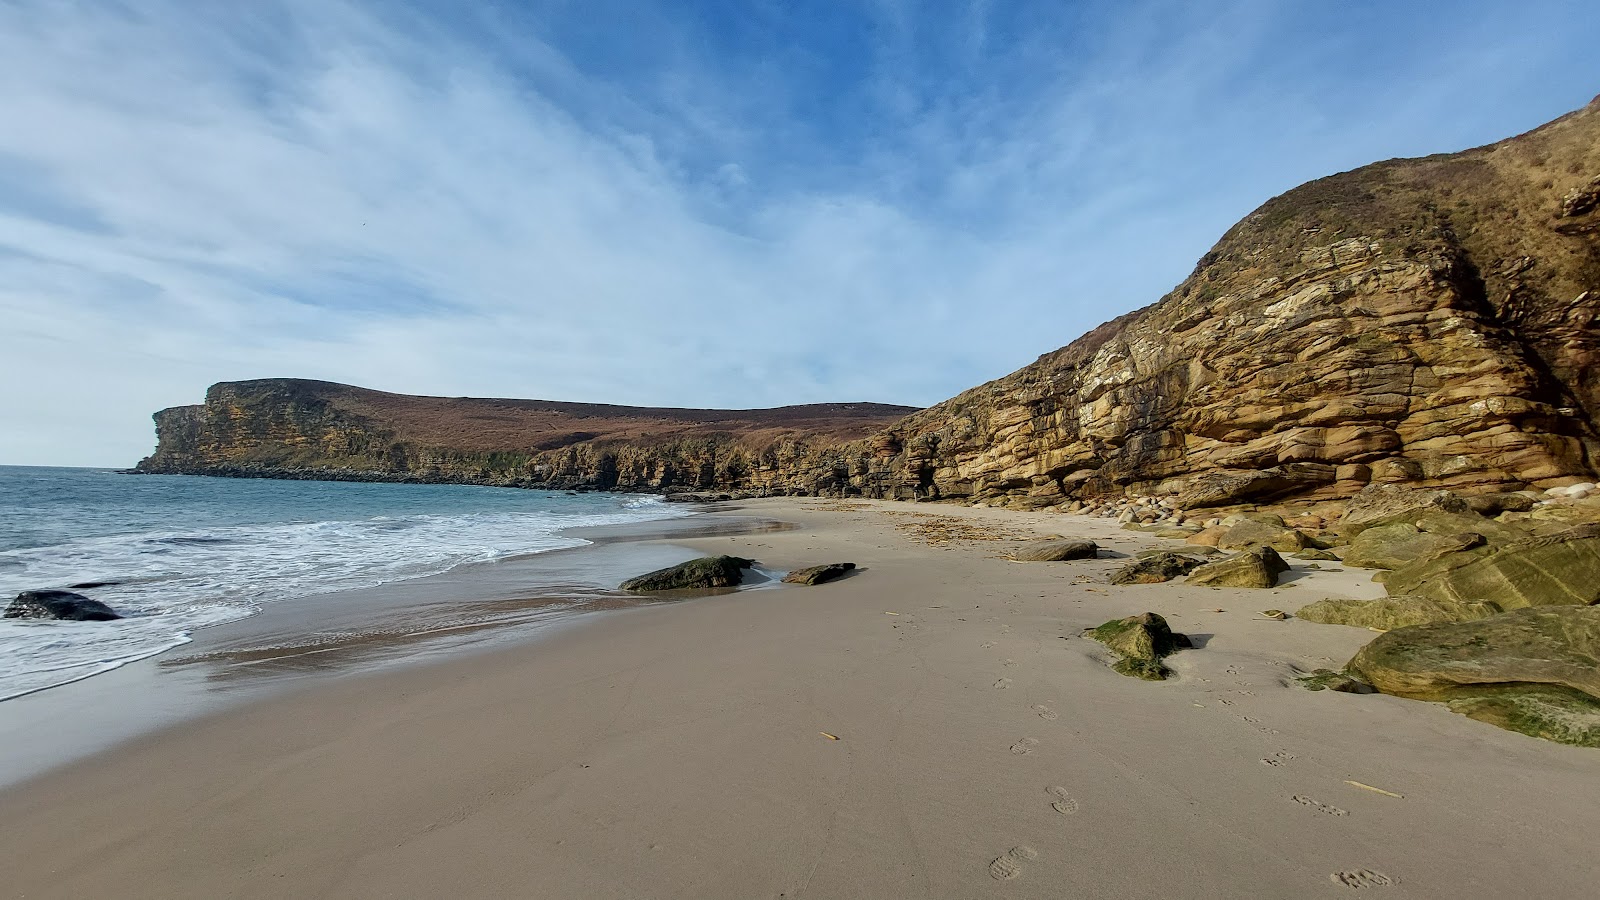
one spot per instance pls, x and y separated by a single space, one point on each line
1428 321
291 428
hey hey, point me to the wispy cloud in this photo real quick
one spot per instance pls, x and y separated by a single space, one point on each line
883 201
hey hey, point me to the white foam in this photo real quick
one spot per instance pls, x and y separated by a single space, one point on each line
171 583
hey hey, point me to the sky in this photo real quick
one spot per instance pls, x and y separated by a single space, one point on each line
739 203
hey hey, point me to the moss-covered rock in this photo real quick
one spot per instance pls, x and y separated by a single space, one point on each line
1155 569
1395 612
1381 504
1257 568
819 574
1252 533
1401 543
1329 680
706 572
1313 553
1141 641
1551 570
1056 550
1534 670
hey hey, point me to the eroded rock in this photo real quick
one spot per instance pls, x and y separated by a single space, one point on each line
1398 544
1256 568
1387 613
1556 569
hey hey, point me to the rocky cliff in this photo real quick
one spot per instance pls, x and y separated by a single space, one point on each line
1428 321
291 428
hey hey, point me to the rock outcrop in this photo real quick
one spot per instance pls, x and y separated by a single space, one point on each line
60 605
705 572
1426 323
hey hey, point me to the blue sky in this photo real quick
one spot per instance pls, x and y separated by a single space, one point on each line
687 204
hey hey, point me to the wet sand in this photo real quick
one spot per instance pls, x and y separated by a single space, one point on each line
983 749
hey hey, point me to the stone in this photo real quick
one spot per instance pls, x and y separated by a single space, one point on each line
1155 569
1381 504
1497 503
1534 670
1555 569
705 572
1315 554
1398 544
818 574
1257 568
1329 680
60 605
1141 642
1387 613
1055 551
1253 533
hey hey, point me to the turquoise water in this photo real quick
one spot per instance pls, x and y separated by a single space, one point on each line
183 552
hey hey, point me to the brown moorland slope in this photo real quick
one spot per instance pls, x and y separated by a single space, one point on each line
1426 321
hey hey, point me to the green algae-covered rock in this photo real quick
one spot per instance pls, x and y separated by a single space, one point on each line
1557 569
1395 612
1329 680
1141 641
1313 553
1400 543
1155 569
818 574
1254 533
1056 550
1257 568
1380 504
706 572
1534 670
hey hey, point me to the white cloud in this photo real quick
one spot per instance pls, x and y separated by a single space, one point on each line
305 190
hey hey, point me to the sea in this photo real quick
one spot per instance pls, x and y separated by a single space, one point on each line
174 554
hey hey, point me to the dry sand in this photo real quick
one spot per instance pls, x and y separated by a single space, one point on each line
984 750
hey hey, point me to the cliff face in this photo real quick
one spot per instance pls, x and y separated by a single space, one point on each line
289 428
1428 321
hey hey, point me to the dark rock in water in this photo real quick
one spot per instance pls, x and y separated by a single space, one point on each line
1056 551
818 574
63 605
706 572
1155 569
1141 641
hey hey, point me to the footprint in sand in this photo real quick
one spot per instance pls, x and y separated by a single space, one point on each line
1319 806
1064 803
1009 866
1045 712
1025 745
1009 663
1232 670
986 645
1362 878
1272 762
1002 684
1251 719
1225 702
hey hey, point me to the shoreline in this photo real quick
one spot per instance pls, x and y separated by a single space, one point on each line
983 747
291 644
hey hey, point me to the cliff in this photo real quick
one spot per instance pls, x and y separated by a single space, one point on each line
292 428
1428 321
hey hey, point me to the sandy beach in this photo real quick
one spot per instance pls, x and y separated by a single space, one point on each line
983 748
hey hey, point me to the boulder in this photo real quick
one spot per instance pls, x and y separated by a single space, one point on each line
1155 569
1400 543
1055 551
1256 568
1395 612
1313 553
1329 680
706 572
60 605
1495 504
1380 504
1140 641
1556 569
1533 670
1252 533
818 574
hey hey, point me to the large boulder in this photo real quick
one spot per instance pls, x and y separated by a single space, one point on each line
1395 612
1155 569
1532 670
1557 569
818 574
1140 641
1056 550
1380 504
60 605
1401 543
1257 568
1254 533
706 572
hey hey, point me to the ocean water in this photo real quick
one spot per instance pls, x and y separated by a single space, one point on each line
181 553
